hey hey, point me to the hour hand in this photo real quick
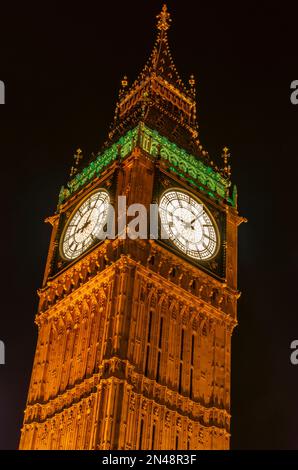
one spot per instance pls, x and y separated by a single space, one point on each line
85 225
191 224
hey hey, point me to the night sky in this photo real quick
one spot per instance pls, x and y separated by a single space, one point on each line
62 66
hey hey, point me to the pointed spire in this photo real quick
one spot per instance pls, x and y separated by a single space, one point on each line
161 60
159 96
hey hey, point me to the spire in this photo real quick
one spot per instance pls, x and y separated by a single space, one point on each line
160 60
159 97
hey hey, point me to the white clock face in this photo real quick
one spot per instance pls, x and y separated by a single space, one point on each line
188 225
84 225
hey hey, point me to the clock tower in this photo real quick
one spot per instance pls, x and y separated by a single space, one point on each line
134 333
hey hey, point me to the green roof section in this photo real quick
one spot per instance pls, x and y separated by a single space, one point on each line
181 162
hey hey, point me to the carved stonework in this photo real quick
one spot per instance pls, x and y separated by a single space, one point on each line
132 333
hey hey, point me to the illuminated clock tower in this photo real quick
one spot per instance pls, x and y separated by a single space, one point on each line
134 335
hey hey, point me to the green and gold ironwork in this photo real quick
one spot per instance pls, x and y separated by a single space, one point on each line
181 162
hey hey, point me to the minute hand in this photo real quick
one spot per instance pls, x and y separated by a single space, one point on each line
179 218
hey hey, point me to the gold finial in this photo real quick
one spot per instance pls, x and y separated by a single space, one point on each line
124 85
77 157
225 156
124 81
192 81
192 84
164 19
73 171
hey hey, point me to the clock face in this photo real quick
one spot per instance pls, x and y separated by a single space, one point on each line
85 224
188 225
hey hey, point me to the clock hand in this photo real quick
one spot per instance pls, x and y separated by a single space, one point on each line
191 224
88 222
90 212
85 226
179 218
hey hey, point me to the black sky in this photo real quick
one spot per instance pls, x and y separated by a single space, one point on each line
61 65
